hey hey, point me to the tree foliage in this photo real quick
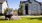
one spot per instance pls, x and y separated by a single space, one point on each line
20 9
6 10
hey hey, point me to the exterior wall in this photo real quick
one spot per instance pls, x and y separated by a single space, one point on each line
41 8
31 0
33 7
34 10
29 9
1 1
4 6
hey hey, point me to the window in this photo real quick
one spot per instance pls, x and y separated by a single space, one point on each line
0 6
34 7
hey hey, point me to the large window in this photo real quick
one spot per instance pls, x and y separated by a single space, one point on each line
0 6
34 7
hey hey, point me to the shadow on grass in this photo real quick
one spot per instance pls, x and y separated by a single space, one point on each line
38 18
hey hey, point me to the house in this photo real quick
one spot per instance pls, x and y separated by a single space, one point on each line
31 7
3 5
14 12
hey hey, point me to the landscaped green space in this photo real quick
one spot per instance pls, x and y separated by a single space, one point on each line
24 20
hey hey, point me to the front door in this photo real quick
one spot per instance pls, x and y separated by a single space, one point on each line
26 9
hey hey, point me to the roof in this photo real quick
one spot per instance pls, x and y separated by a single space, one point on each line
7 3
23 1
30 2
41 2
38 2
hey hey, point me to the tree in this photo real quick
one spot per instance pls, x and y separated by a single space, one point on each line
7 10
20 10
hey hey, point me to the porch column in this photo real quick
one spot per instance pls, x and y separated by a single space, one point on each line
29 9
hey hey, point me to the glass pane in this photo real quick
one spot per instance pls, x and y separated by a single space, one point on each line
34 7
0 6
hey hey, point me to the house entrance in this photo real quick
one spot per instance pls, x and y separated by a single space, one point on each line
26 9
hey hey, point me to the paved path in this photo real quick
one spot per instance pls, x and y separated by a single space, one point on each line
24 16
30 16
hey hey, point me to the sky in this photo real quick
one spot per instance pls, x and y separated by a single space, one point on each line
15 3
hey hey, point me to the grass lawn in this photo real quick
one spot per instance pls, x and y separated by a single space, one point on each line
23 20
